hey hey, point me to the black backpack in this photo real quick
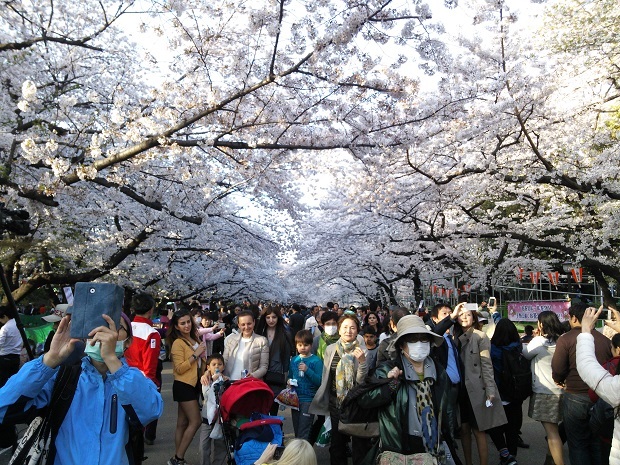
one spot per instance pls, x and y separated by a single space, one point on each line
516 376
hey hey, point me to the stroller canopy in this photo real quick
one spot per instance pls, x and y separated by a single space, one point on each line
244 397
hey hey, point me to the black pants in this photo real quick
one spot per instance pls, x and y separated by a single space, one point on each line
337 448
9 365
507 436
150 430
316 428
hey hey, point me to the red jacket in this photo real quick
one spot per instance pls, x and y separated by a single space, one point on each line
143 352
611 366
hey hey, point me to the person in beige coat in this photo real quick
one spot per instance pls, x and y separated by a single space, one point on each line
481 406
246 350
344 366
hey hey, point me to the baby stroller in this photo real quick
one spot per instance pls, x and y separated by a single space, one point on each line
246 425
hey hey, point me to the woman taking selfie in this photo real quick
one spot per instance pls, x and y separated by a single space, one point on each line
481 406
187 354
344 366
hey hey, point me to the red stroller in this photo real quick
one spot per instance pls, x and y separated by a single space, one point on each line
246 425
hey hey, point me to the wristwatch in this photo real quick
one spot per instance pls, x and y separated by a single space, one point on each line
194 355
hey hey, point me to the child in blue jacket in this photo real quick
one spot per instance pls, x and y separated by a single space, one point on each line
307 369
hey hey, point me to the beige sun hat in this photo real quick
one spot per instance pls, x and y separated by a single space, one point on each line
57 314
413 324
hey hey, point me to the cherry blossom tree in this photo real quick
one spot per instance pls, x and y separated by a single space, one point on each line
517 169
167 145
147 178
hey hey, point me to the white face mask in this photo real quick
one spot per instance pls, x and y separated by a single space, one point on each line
331 330
418 351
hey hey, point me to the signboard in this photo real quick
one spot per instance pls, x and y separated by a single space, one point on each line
528 310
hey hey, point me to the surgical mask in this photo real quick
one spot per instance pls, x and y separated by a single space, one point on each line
94 352
331 330
418 351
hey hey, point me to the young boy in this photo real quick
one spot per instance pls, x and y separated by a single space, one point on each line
215 366
370 339
307 370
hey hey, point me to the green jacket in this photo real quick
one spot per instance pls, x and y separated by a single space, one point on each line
393 402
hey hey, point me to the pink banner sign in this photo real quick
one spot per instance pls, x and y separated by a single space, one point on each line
529 310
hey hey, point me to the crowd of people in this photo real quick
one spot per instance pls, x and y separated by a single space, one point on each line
434 380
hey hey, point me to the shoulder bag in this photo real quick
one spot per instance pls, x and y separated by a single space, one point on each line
37 445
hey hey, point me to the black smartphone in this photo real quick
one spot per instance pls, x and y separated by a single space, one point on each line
605 314
278 453
91 300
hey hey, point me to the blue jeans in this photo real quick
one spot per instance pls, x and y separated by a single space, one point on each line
583 447
302 421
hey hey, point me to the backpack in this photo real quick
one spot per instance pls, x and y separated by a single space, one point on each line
355 420
516 376
602 416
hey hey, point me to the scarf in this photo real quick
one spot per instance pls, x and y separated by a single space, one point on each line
426 414
326 340
345 370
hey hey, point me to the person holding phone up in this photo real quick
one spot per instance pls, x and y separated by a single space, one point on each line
606 385
109 395
480 403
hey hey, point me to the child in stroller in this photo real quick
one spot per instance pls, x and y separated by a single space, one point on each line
247 428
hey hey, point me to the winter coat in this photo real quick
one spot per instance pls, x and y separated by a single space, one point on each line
479 380
320 403
394 403
85 435
255 357
604 384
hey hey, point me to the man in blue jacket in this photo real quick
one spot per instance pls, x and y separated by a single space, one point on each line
108 397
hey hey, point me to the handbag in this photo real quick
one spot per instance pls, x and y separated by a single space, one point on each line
355 420
275 377
361 430
37 445
394 458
